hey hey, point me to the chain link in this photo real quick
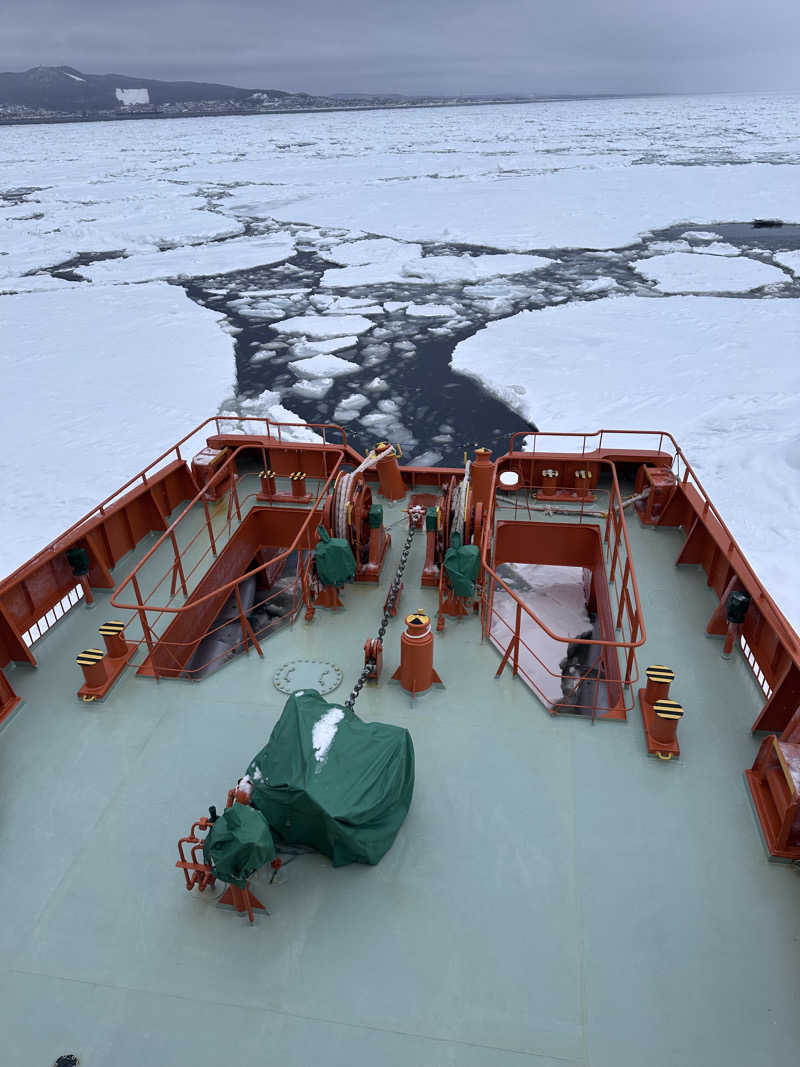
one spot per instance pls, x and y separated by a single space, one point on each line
394 590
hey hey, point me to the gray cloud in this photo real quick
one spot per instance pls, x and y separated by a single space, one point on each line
444 46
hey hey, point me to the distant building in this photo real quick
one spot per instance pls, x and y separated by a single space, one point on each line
133 98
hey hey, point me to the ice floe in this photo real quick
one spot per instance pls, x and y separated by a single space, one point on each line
160 363
430 311
219 257
695 272
323 366
720 374
325 326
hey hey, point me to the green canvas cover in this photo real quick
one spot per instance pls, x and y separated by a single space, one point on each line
334 559
462 563
329 780
238 844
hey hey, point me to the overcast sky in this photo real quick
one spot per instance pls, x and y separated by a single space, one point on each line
418 46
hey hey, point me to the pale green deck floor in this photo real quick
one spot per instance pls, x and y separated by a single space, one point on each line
554 897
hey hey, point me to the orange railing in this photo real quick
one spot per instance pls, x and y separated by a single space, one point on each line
150 614
626 617
612 441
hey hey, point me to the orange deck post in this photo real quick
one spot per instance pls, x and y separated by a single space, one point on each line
583 486
390 479
416 673
480 477
113 634
659 679
299 493
267 485
549 482
92 662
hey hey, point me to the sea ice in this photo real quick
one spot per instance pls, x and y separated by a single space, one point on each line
219 257
789 259
721 374
162 365
430 311
694 272
597 285
325 326
323 366
334 344
314 388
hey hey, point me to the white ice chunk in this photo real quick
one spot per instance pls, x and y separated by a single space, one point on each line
315 388
681 272
701 235
721 248
324 326
334 344
323 366
430 311
597 285
427 459
451 269
789 259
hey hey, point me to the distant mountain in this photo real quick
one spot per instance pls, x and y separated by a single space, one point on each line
68 91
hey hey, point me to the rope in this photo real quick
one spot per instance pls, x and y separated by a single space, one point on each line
394 591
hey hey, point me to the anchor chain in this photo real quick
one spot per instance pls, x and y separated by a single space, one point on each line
394 590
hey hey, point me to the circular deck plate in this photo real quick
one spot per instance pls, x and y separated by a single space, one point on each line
307 674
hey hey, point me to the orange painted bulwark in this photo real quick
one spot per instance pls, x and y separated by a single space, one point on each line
8 698
28 594
183 629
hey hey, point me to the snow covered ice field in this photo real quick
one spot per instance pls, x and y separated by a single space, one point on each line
439 277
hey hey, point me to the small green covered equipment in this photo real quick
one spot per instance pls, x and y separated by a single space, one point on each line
238 844
462 564
334 559
329 780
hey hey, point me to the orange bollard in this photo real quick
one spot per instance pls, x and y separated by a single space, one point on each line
659 679
298 480
94 669
549 482
267 484
583 485
664 726
390 479
112 634
416 673
480 476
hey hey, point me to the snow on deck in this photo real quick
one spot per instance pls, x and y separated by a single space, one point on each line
555 595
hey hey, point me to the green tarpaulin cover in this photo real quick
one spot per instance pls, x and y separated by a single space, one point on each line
334 559
238 844
328 780
462 564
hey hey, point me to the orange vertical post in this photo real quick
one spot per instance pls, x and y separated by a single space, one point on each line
480 476
416 673
389 477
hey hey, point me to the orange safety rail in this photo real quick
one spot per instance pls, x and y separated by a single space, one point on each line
198 612
595 538
768 643
41 589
